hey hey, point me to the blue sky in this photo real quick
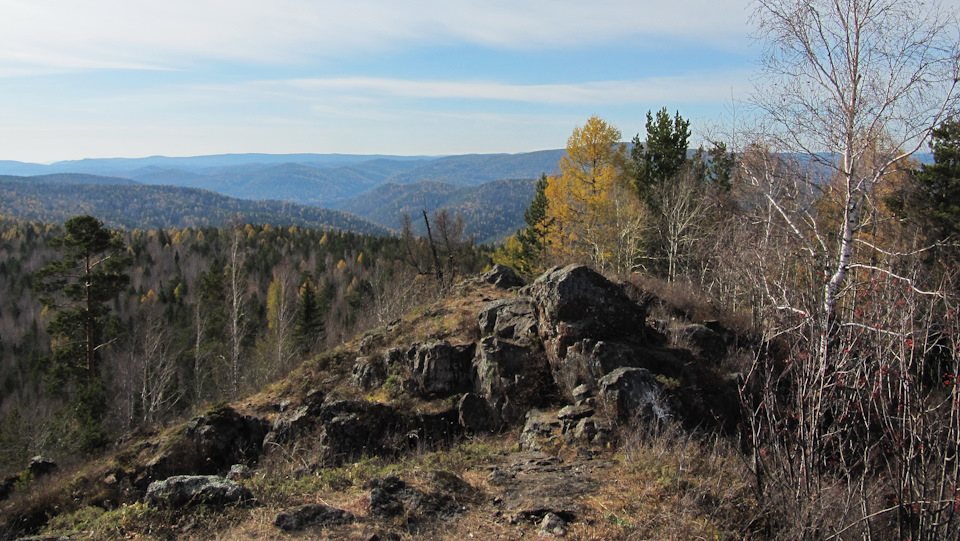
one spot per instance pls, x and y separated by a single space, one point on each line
132 78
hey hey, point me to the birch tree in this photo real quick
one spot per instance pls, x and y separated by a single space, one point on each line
848 91
853 86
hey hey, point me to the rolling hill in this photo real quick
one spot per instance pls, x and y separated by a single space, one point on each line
491 211
135 206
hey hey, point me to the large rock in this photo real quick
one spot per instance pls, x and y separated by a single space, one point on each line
576 302
510 319
634 391
295 422
186 490
209 444
511 377
702 340
353 428
312 515
475 414
583 313
432 429
224 437
369 372
542 431
441 369
502 276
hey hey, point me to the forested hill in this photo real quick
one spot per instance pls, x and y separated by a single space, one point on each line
316 179
490 211
67 178
137 206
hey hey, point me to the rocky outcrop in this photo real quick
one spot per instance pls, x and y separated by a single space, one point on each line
440 369
576 302
40 466
186 490
209 444
369 372
512 378
589 327
502 276
294 422
702 340
510 319
634 391
313 515
542 432
353 428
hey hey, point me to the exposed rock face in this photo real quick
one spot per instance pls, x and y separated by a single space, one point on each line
433 429
40 465
632 391
588 326
210 444
293 423
184 490
223 438
313 515
475 414
510 377
510 319
541 432
502 276
352 428
369 372
441 369
576 302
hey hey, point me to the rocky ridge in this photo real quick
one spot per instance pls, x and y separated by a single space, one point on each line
566 360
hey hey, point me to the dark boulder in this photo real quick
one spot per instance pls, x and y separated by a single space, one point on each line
40 465
510 319
432 429
476 415
512 378
503 277
187 490
353 428
576 302
313 515
209 444
702 341
369 372
440 369
634 391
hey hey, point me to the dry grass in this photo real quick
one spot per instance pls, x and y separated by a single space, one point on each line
671 485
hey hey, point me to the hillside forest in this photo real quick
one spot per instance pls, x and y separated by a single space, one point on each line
202 315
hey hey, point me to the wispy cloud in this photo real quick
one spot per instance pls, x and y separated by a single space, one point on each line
120 34
688 88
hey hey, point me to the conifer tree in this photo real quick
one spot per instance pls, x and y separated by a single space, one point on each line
664 153
78 288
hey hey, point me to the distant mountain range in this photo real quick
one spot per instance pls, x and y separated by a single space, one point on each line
378 188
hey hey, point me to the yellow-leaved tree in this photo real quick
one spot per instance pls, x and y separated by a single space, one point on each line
594 219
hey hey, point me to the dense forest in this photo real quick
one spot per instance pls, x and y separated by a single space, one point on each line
55 198
206 314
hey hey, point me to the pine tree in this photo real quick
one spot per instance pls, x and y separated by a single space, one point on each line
78 288
939 183
664 153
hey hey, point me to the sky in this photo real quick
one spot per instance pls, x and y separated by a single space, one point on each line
136 78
